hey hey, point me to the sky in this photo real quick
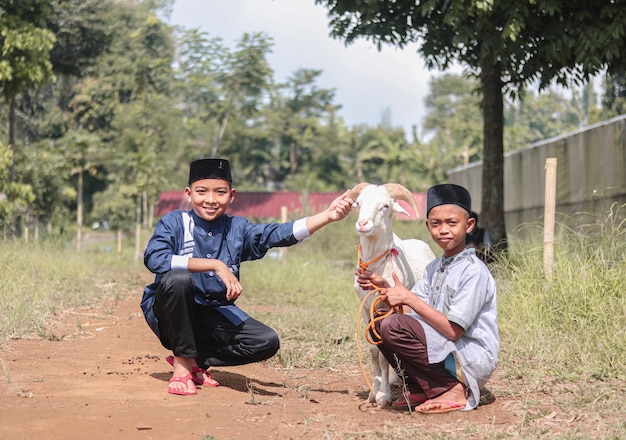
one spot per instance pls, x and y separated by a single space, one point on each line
367 83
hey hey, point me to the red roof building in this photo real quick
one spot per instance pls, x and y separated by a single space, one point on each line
268 206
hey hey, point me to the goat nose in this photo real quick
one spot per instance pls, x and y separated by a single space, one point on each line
362 222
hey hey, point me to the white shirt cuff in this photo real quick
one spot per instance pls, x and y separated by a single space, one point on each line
179 262
299 229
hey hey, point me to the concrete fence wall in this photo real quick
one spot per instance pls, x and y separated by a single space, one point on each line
591 175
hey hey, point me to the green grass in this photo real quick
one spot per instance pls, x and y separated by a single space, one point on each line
575 323
38 281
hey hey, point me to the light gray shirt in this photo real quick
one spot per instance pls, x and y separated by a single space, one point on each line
462 288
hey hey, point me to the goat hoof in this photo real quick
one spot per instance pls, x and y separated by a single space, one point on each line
383 401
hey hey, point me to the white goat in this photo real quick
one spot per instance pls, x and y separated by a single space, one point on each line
383 252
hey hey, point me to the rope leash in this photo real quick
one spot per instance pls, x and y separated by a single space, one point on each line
375 314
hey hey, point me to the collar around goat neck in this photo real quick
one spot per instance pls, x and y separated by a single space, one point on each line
365 264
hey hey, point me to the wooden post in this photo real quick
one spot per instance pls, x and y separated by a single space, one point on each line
549 218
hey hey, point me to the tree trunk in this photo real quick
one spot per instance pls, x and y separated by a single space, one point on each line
79 212
12 173
138 227
144 199
150 215
492 209
119 243
293 159
220 135
26 233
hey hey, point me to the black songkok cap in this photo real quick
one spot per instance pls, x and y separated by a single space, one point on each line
209 169
448 194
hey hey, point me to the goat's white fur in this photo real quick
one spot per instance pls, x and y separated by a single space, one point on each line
374 226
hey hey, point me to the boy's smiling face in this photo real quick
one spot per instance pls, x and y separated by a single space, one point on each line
210 198
448 225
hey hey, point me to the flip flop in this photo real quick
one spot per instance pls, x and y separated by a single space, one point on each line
409 400
209 382
438 406
185 380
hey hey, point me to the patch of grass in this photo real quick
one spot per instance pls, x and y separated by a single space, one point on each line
308 297
575 323
41 280
563 341
310 301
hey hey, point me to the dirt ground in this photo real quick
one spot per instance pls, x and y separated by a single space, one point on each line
106 378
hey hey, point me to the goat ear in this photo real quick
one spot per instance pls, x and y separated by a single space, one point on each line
400 192
399 209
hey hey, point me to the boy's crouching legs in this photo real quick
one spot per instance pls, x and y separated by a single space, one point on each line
258 341
252 341
175 310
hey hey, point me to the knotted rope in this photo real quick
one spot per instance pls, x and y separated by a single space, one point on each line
375 314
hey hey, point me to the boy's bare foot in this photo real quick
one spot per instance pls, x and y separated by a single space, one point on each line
452 400
200 375
203 377
182 380
181 385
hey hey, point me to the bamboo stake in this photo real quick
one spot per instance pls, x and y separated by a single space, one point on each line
549 218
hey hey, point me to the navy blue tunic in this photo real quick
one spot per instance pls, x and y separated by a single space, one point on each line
229 239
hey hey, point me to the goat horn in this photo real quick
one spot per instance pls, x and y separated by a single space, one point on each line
356 190
400 192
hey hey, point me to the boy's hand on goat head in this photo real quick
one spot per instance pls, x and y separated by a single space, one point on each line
340 207
337 210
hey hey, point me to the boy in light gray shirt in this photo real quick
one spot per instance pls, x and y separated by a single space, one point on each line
447 347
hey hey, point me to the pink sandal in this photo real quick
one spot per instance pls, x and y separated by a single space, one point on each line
185 380
209 381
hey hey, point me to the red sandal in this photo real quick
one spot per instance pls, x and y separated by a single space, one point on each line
185 380
209 381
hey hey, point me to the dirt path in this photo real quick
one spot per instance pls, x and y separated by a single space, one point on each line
109 382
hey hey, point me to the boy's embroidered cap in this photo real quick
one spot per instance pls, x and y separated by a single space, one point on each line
448 194
209 169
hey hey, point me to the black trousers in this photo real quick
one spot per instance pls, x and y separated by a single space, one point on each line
404 346
194 331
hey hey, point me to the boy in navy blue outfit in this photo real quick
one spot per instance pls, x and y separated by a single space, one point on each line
196 256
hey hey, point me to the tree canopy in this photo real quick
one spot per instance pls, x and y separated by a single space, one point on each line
25 45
